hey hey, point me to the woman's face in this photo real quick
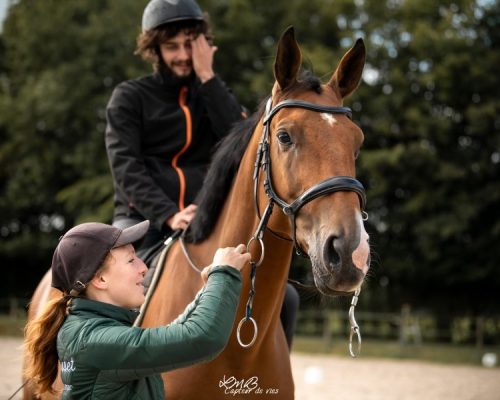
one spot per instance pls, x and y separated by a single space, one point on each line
124 276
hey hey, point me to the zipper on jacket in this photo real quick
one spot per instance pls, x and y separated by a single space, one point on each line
189 136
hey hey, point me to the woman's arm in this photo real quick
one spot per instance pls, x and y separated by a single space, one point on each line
198 335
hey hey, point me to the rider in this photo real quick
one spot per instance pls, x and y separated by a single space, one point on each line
161 128
88 329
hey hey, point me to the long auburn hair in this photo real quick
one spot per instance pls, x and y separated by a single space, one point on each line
41 344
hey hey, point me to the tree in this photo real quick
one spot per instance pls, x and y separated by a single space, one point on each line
429 109
60 63
428 106
431 157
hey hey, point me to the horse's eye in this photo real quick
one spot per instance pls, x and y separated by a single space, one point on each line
284 138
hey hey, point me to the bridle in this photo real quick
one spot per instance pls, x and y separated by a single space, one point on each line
263 161
329 185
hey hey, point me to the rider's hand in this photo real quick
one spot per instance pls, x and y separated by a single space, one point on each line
182 219
203 58
236 257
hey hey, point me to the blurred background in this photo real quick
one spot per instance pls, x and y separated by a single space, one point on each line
428 105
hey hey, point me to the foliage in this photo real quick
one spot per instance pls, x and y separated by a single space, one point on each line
60 63
432 158
428 106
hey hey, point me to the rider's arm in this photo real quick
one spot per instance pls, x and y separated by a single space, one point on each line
222 107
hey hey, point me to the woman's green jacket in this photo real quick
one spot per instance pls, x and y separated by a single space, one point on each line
103 357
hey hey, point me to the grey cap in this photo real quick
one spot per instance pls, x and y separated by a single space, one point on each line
82 250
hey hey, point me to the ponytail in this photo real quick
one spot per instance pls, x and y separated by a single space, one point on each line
41 344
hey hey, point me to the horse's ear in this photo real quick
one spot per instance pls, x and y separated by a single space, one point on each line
348 73
288 59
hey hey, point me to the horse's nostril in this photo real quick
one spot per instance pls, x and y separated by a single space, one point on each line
332 258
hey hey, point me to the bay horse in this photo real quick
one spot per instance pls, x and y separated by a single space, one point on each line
297 152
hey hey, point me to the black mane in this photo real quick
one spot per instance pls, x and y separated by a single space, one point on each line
223 167
219 179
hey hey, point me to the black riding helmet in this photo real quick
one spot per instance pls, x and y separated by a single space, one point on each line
159 12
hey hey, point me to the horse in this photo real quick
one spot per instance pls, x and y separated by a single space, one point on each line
308 139
297 153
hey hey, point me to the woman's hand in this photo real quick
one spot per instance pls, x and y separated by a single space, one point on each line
235 257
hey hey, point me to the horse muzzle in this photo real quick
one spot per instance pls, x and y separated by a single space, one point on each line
340 262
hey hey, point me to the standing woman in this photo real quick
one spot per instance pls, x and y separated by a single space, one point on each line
89 329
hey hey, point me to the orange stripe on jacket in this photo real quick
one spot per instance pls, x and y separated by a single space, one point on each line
189 137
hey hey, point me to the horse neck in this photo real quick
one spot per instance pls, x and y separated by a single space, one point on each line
237 224
238 220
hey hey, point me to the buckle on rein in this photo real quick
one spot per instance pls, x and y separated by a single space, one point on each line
354 326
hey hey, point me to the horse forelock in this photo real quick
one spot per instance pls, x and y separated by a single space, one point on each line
225 163
307 81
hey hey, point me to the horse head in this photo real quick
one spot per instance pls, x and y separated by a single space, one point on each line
313 146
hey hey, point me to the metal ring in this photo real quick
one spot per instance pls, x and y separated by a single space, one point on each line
355 354
261 242
256 330
364 215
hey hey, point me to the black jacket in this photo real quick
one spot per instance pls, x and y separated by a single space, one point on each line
159 136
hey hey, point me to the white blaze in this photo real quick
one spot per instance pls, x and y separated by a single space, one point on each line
328 118
361 253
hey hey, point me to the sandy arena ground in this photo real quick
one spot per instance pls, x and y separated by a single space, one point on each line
321 378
